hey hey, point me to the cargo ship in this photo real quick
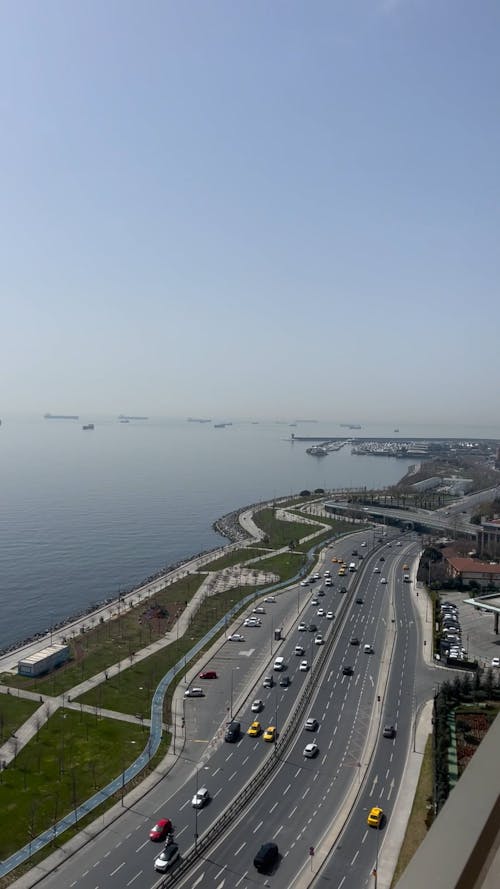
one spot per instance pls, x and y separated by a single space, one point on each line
89 426
126 418
61 417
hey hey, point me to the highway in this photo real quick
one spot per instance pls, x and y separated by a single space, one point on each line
300 800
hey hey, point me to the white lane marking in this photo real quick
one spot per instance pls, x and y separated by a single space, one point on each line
134 878
387 774
115 871
184 805
245 760
391 788
144 844
297 773
306 791
323 760
371 680
375 782
258 826
214 773
292 813
239 850
221 883
287 789
232 776
273 808
200 878
354 859
128 836
365 836
181 831
230 755
277 832
220 872
341 882
241 878
107 853
217 792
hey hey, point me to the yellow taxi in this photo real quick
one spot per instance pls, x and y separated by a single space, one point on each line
270 733
375 817
335 559
341 573
255 729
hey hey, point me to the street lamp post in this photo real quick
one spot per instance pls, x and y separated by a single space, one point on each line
196 817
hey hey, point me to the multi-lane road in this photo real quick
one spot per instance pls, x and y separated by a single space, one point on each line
303 798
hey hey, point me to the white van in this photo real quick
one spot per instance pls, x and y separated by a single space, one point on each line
279 663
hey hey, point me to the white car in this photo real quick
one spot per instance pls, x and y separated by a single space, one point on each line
328 581
200 798
376 570
257 706
302 627
311 750
318 640
270 599
320 612
314 601
383 580
304 582
236 637
330 615
194 693
252 622
167 858
364 543
304 666
259 610
316 576
495 662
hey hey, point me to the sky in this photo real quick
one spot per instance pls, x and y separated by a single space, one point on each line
251 209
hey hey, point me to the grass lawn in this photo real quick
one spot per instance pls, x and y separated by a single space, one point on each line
131 691
417 826
107 643
72 756
280 533
285 565
335 528
13 712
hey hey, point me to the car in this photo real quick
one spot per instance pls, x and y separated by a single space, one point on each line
388 731
381 559
335 559
302 627
383 580
359 600
343 589
255 729
316 576
259 609
354 640
375 817
194 693
318 639
328 581
321 592
314 601
270 599
347 670
406 567
200 798
330 615
268 682
266 857
304 666
257 706
304 582
252 622
364 543
161 830
398 543
310 750
284 681
376 570
320 612
208 674
299 650
167 858
495 662
312 628
368 649
354 552
327 572
311 724
233 730
235 637
270 734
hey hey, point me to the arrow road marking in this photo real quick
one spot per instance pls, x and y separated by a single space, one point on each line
375 782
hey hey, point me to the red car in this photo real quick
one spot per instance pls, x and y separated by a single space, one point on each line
208 674
161 829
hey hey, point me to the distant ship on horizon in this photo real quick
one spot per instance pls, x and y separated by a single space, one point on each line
61 417
198 420
126 418
350 426
89 426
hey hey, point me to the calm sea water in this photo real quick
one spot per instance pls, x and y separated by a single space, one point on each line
84 514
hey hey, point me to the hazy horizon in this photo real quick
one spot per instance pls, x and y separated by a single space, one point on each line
251 211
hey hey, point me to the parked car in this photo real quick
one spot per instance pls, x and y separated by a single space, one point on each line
194 693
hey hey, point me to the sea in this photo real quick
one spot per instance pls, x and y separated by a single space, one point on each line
85 515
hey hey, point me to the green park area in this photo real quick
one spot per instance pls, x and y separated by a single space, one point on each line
13 712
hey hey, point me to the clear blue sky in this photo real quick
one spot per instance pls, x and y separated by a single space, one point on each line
251 208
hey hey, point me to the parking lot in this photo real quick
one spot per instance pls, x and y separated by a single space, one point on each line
478 636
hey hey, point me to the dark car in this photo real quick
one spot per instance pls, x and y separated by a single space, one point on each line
359 601
266 857
320 593
284 681
208 674
381 559
388 731
343 589
347 671
312 628
233 730
354 640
